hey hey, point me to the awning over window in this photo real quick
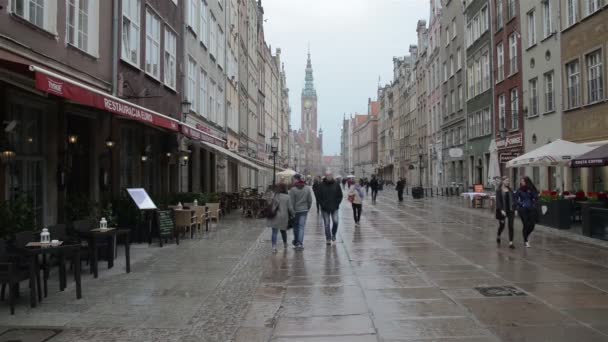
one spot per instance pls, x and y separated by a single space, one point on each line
58 85
232 155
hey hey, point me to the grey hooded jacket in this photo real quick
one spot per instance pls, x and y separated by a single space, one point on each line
300 198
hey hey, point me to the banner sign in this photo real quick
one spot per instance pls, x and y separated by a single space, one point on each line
516 140
108 102
195 134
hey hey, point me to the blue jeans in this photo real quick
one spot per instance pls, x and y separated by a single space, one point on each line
298 230
330 235
275 233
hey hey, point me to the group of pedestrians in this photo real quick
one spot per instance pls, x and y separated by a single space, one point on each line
289 209
523 202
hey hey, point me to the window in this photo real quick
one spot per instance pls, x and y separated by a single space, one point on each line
471 121
461 134
594 76
469 35
478 124
458 59
152 44
476 28
470 82
220 106
202 94
452 69
445 72
477 77
592 6
547 19
220 47
212 109
31 10
574 85
487 122
502 125
498 15
191 19
514 109
511 9
484 19
533 90
445 105
191 91
130 31
572 11
213 40
82 25
170 72
452 102
454 31
500 56
460 98
485 72
204 24
447 36
549 93
513 54
531 29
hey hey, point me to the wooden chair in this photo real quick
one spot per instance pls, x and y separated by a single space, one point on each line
11 274
201 218
185 221
214 211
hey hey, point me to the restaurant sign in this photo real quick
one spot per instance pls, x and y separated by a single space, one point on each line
199 135
507 156
515 140
95 99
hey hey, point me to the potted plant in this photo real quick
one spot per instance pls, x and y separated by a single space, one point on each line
553 211
15 216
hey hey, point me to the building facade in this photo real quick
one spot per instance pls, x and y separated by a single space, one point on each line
541 65
479 92
434 101
508 104
583 68
453 77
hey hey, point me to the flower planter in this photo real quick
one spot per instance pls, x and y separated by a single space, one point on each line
595 219
556 214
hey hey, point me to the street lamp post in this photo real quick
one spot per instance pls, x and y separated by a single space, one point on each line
274 148
420 165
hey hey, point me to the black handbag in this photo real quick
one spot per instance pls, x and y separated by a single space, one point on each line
291 223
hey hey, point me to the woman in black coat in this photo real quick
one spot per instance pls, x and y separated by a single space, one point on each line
505 209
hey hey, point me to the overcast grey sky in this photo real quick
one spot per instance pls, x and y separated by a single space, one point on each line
352 44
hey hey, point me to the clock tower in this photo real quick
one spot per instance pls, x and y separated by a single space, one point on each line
309 104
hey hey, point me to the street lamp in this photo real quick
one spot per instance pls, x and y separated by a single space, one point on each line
274 148
420 151
186 106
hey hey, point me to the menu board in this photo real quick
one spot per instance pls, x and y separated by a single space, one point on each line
141 199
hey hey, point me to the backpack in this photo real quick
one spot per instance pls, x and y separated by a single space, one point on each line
271 210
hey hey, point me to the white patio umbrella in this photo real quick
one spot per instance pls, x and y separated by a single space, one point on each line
286 173
558 153
493 167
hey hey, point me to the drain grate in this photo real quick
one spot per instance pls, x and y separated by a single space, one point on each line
500 291
28 335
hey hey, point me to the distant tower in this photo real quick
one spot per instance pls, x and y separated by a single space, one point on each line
309 103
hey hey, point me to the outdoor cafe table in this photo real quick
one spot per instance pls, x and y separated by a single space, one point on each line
470 196
34 249
111 234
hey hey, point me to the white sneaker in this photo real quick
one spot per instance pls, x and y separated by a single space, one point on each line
527 245
274 250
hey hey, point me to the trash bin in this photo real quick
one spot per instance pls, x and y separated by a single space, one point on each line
417 192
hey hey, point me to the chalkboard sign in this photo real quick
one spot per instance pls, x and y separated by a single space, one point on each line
165 224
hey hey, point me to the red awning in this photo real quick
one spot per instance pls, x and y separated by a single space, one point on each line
77 92
197 134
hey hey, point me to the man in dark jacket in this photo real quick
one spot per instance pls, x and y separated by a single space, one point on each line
330 197
400 187
375 186
315 189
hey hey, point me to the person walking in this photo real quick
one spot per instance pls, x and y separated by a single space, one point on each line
281 208
315 190
355 197
527 197
505 210
400 187
374 184
330 196
300 199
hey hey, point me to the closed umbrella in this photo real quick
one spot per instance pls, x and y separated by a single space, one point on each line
494 167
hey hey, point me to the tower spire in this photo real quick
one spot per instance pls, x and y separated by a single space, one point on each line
309 87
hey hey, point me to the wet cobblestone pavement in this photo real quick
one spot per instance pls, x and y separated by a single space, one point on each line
425 270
